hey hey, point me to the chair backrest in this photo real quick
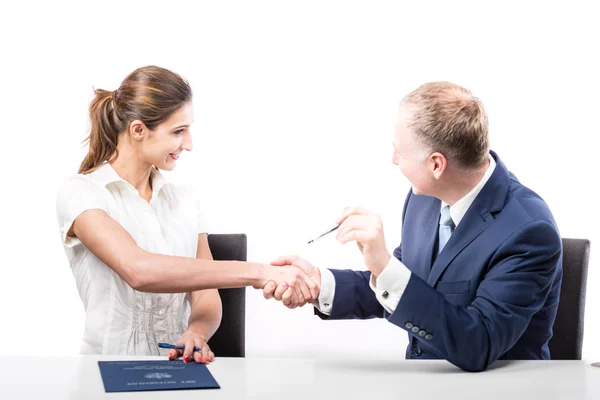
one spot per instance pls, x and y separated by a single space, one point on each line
229 339
567 340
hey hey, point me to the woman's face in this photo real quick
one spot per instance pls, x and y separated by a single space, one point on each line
163 145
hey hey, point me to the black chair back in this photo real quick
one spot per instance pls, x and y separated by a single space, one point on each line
229 339
567 340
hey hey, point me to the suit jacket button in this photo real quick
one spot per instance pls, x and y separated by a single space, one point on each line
422 333
415 329
429 336
385 294
417 351
408 325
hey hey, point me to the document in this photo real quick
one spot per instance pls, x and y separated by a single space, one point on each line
130 376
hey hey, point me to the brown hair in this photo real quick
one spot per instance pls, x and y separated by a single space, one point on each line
446 117
149 94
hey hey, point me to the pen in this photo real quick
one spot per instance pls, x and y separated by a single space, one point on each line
329 231
178 347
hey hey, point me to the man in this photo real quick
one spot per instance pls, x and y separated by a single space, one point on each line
478 273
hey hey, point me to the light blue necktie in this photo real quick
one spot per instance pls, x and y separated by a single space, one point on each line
446 228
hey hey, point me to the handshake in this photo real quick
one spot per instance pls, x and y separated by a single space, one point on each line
291 280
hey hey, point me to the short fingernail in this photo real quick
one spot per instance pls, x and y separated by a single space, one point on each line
186 359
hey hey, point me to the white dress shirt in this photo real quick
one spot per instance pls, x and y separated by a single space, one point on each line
395 276
118 319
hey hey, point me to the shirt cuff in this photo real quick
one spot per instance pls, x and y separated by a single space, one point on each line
390 284
325 301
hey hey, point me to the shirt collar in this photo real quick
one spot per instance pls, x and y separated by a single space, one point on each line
460 208
158 181
106 175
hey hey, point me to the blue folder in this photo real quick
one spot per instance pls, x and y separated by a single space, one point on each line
131 376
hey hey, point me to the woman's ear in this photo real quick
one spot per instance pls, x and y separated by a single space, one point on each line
137 130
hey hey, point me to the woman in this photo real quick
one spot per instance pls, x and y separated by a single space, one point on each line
137 245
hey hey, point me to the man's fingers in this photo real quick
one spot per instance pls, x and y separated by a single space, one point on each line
346 226
356 222
351 211
355 236
284 260
313 287
305 291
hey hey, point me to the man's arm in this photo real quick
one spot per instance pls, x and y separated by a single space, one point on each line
353 297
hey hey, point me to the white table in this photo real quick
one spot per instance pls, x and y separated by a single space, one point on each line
78 377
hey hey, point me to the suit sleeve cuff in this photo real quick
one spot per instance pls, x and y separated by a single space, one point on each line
325 301
390 284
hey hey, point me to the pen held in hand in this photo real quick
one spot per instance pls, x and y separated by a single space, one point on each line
326 233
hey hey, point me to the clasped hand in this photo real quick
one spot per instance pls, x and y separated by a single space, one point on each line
295 287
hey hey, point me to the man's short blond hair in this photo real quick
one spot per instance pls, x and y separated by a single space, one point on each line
447 118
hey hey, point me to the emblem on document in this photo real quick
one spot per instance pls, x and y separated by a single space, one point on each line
158 375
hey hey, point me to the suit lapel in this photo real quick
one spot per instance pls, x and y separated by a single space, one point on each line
429 240
475 221
478 217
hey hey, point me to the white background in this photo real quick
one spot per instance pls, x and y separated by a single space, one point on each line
295 105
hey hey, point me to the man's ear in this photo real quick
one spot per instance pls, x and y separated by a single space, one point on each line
137 130
438 164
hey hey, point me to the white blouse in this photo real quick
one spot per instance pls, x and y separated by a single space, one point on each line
120 320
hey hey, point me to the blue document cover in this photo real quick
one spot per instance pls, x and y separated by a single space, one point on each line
130 376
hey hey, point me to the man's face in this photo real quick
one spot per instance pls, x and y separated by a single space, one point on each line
409 155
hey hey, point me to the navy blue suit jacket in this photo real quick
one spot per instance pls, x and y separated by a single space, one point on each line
493 291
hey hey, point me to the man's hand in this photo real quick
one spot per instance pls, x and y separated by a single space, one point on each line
365 228
297 285
284 293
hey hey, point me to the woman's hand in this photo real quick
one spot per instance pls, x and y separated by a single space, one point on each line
191 339
302 289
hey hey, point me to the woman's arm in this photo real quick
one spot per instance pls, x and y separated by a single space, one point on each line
206 311
158 273
205 317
